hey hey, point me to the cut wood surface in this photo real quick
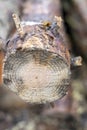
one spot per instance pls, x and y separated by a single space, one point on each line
37 63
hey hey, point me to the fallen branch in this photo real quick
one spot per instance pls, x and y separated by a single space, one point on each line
37 61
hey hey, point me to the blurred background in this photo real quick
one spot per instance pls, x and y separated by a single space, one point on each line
69 113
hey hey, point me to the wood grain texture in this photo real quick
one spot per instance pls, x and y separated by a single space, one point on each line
37 66
37 63
37 75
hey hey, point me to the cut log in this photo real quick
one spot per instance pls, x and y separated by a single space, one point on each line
37 64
